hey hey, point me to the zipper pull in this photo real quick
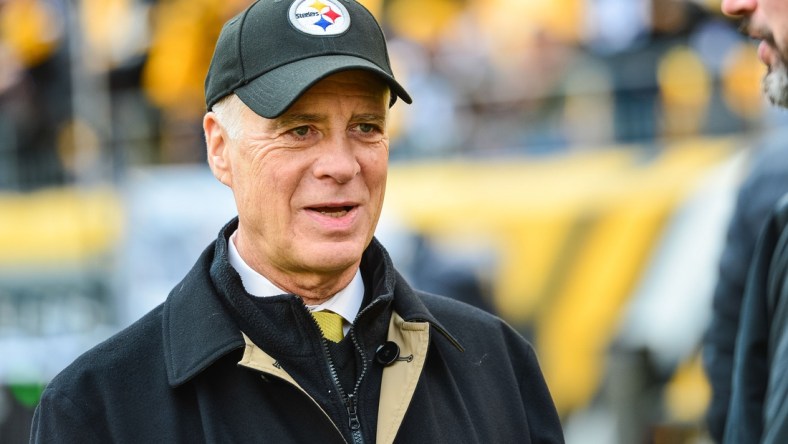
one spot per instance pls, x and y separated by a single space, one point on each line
350 404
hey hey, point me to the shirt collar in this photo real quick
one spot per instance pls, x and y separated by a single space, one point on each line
346 303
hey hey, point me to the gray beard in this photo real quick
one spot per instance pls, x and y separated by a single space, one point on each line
775 85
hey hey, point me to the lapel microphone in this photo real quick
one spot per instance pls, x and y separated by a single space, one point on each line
387 353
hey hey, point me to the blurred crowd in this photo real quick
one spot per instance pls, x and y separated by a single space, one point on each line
90 87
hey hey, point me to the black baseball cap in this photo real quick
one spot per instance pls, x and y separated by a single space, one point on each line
275 50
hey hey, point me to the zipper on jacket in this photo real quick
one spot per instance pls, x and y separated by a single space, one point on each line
350 400
350 404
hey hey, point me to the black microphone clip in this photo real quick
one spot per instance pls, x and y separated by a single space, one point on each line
388 353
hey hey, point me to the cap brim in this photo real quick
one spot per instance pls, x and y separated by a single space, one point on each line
272 93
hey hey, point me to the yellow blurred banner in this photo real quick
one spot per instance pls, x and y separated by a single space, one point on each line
573 235
58 225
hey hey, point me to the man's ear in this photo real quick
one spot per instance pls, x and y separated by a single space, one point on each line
217 144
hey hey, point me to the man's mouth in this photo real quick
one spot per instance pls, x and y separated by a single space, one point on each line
765 53
757 32
335 212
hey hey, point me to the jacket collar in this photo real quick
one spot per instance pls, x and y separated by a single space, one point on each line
196 327
406 301
198 330
413 310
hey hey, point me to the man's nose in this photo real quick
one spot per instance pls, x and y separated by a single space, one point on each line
739 8
337 160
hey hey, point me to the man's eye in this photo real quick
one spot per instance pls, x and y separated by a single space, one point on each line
366 127
301 131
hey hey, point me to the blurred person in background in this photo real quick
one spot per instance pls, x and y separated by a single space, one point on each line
744 354
765 183
294 325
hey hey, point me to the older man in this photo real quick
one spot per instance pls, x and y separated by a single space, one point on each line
745 352
294 326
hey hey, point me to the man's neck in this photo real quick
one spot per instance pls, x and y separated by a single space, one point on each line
313 288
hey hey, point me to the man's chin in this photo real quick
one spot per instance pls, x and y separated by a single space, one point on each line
332 257
775 85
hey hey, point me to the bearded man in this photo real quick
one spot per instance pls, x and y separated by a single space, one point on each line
746 346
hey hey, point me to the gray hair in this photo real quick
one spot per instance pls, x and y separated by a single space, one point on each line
228 112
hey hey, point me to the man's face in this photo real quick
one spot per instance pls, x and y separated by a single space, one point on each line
309 185
767 20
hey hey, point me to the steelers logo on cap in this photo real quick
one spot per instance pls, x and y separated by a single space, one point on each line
319 17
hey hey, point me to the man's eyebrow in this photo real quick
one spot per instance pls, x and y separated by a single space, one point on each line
379 119
289 120
296 119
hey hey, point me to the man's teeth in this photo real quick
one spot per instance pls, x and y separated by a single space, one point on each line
335 213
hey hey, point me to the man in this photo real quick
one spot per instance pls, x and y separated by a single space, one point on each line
251 345
747 379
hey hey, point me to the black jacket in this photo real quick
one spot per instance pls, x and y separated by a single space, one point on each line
759 402
185 372
766 182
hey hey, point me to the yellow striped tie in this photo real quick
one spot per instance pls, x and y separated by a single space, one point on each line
330 324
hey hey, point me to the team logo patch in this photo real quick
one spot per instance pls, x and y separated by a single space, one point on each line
319 17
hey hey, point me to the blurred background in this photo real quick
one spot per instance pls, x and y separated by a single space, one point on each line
570 165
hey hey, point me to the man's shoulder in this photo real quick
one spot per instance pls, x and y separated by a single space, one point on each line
118 357
448 308
472 326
